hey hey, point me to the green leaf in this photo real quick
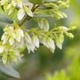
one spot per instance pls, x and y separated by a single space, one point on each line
9 71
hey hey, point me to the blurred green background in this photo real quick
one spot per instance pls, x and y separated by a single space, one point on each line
35 66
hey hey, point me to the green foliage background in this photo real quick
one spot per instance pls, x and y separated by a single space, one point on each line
63 64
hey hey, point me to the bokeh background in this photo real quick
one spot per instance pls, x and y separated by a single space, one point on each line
35 66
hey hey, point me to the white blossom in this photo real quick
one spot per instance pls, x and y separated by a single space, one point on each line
35 41
59 41
1 49
11 35
21 14
49 43
43 24
30 47
33 44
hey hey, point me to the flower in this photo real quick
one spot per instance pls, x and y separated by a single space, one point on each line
9 54
43 24
25 9
59 41
17 3
32 44
49 43
11 35
1 47
35 41
63 28
3 2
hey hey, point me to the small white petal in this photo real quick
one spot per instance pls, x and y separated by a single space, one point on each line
20 32
13 3
51 43
9 6
35 41
11 41
1 49
3 37
11 28
18 38
28 38
63 28
29 12
20 4
43 24
30 47
21 14
44 42
59 41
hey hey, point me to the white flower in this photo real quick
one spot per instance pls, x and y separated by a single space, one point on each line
43 24
63 28
35 41
21 14
3 2
28 11
1 49
33 44
59 41
27 38
11 41
30 47
44 42
12 35
17 3
49 43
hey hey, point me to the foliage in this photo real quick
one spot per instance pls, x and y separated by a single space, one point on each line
71 73
16 37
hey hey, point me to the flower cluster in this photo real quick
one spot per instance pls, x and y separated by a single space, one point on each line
17 6
9 54
17 37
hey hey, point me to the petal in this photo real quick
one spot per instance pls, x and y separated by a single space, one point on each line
30 47
43 24
20 32
18 38
51 43
59 41
29 12
11 41
20 14
28 38
1 49
35 41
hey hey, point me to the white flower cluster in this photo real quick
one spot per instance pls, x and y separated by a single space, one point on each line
11 35
16 37
17 6
9 54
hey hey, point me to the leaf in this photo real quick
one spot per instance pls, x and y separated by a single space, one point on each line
9 71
